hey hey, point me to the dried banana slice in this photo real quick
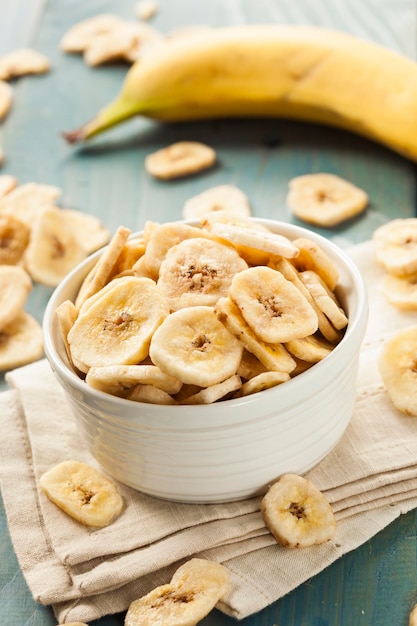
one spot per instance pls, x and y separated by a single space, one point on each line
413 616
120 379
27 201
91 232
312 257
272 306
227 199
117 328
82 492
150 394
6 98
161 238
401 292
398 368
195 589
198 272
395 245
325 199
110 46
311 349
254 245
7 184
272 356
250 366
79 36
194 346
132 251
288 270
21 342
54 249
14 239
21 62
102 271
263 381
297 513
180 159
15 286
325 299
215 392
66 314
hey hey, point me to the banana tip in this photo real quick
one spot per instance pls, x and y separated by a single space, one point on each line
73 136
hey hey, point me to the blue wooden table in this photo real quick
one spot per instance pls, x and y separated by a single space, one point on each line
377 584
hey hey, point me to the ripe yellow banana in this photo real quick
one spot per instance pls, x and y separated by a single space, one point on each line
289 71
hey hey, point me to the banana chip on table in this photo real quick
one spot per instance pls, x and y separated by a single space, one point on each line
21 342
14 239
180 159
195 589
398 369
227 199
21 62
325 199
395 245
400 291
297 513
82 492
15 286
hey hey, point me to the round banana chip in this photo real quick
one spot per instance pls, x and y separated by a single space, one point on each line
198 272
297 513
82 492
395 245
223 198
194 346
180 159
272 306
21 62
325 199
193 592
398 368
79 36
15 286
311 349
117 328
21 342
400 291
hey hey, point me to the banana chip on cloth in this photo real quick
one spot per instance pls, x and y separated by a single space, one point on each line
369 480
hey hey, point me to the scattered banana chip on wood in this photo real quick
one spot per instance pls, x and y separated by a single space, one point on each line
14 239
195 589
182 158
21 342
297 513
223 198
80 35
27 201
82 492
6 98
21 62
398 368
325 199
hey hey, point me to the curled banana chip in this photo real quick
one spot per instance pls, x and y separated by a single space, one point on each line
398 368
14 239
263 381
297 513
180 159
82 492
213 393
192 345
119 379
325 199
325 299
312 257
400 291
195 589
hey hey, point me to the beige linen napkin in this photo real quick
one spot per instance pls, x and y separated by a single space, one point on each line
370 478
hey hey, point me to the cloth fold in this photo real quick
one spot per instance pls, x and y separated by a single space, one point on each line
370 478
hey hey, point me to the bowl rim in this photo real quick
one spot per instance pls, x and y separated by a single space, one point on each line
71 377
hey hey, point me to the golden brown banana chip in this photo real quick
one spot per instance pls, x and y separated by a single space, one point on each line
180 159
82 492
297 513
312 257
21 342
398 368
14 239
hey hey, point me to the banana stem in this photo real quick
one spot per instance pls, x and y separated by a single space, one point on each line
117 111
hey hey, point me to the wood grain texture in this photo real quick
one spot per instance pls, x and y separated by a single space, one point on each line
376 584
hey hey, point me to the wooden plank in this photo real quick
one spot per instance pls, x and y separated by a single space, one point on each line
107 179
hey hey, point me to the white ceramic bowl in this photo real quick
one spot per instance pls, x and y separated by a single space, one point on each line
232 449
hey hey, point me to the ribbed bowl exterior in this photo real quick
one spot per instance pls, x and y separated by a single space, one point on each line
232 449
